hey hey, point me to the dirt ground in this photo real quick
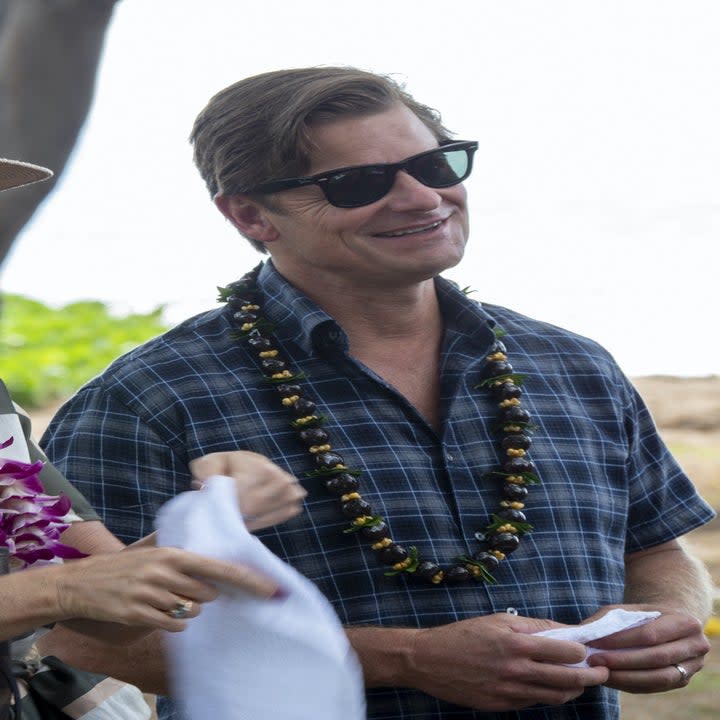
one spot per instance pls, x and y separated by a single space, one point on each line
687 412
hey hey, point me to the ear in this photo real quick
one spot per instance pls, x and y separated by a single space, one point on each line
248 216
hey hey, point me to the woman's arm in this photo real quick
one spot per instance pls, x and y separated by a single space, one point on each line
142 663
28 600
138 588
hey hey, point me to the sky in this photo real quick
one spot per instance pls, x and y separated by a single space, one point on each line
595 198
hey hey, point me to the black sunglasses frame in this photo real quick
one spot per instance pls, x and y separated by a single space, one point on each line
390 170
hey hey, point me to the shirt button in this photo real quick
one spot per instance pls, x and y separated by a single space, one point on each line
511 611
449 457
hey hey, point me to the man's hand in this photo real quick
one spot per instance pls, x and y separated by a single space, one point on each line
490 663
644 659
667 578
267 495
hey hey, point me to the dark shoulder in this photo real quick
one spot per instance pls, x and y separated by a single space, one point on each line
199 335
552 348
199 346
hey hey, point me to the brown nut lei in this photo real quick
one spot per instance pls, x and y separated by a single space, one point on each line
500 538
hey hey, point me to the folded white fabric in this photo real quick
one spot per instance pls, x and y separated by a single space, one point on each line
610 623
244 658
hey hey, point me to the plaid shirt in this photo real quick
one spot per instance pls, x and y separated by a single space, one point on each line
609 485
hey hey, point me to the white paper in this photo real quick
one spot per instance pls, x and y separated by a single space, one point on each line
245 658
614 621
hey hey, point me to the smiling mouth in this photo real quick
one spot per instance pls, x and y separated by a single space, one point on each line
412 231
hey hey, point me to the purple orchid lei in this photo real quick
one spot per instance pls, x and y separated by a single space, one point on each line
31 522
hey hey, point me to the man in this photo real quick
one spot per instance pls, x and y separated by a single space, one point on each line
346 357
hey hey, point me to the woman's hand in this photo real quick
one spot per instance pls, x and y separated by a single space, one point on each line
267 495
149 587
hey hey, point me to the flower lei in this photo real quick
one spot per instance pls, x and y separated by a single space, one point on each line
30 521
500 538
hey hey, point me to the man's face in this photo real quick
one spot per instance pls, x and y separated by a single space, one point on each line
410 235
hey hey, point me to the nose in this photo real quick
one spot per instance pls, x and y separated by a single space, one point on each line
407 193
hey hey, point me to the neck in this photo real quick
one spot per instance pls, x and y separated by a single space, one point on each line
374 312
389 331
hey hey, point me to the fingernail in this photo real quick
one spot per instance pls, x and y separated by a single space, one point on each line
279 594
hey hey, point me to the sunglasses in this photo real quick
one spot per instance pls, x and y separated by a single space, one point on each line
352 187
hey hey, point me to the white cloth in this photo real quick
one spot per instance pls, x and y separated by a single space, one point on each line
610 623
245 658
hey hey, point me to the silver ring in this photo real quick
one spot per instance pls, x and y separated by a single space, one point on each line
181 610
684 674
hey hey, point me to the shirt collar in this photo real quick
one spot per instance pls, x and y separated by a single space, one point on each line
465 320
299 320
296 318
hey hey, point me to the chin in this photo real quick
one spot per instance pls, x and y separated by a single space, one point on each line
427 271
449 259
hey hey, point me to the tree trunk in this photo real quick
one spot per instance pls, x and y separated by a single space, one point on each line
49 55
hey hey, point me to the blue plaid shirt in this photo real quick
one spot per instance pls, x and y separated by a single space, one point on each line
609 485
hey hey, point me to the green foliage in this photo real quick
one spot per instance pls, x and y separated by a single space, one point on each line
46 354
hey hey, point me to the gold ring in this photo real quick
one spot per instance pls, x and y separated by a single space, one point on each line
181 610
684 674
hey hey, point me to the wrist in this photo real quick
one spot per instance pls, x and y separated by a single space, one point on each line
61 589
385 654
28 599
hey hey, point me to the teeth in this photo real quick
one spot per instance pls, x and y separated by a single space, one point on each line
412 231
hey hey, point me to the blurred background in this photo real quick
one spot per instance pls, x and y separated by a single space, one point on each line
595 201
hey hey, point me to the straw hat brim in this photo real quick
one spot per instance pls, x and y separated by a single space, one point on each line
14 173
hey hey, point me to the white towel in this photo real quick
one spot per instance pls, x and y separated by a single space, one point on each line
610 623
244 658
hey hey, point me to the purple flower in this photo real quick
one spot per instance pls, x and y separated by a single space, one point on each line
31 522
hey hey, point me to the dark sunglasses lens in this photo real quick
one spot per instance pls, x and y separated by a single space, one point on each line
357 187
441 168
